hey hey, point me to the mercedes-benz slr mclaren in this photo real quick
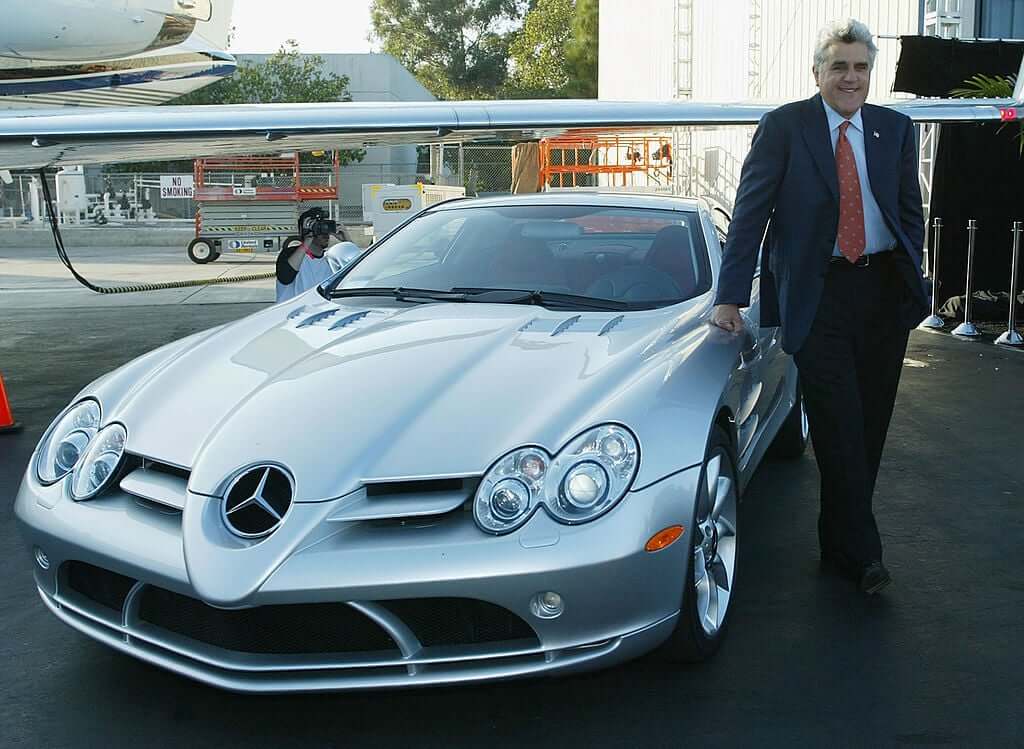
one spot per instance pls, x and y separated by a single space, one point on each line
505 441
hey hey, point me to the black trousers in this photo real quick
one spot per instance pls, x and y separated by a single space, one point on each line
849 371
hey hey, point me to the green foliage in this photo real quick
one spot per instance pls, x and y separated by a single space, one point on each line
537 51
287 76
555 53
581 52
983 86
986 87
458 49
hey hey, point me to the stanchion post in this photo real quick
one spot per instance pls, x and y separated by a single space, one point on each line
1011 337
933 321
967 328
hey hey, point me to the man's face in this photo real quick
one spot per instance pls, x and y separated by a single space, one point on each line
845 77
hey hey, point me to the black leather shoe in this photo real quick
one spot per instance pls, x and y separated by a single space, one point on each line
874 577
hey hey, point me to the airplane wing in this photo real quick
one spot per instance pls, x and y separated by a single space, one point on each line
36 139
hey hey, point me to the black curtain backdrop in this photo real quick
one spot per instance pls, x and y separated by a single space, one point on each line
979 169
979 174
930 66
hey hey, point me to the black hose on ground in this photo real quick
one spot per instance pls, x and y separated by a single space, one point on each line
62 255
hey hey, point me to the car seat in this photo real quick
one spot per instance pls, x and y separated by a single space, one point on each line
667 272
528 263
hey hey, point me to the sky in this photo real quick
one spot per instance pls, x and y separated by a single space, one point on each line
317 25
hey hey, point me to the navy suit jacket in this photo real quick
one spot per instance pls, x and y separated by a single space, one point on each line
789 185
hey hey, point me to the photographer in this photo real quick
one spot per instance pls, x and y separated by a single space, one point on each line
303 267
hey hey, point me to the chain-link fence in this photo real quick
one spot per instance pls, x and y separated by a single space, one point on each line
133 197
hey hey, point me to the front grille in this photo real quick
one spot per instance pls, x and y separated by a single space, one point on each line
459 621
99 585
287 629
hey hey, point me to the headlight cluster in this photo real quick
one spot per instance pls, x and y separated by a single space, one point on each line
582 482
76 445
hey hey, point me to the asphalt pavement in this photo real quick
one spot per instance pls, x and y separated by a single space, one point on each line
937 659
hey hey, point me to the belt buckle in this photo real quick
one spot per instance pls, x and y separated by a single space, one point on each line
866 261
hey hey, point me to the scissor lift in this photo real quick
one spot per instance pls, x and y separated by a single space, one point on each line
250 203
576 159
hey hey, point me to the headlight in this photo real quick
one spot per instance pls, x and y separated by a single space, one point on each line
585 480
591 474
508 494
67 441
99 464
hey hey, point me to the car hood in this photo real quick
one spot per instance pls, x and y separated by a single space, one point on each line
362 390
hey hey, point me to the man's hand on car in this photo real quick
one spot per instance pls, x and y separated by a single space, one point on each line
727 317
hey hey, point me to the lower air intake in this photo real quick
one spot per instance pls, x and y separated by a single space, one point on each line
101 586
459 621
287 629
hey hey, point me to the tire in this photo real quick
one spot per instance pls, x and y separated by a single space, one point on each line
201 251
791 440
290 242
704 615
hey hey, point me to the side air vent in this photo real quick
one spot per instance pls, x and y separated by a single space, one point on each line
402 500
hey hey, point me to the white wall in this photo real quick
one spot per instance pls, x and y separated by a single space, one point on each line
635 40
638 39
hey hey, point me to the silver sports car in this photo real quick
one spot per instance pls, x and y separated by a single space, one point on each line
505 441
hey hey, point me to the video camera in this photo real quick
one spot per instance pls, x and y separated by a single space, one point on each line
314 222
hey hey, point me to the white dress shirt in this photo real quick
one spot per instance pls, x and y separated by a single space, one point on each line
876 234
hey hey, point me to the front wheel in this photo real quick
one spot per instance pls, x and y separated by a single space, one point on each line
709 586
201 251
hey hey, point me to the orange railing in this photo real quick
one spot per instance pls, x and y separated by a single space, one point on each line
574 160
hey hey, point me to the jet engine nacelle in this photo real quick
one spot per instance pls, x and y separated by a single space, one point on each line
97 29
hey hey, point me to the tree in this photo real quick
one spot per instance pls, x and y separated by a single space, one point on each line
458 49
581 52
287 76
537 51
555 52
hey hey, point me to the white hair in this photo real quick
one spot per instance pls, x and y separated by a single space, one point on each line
844 32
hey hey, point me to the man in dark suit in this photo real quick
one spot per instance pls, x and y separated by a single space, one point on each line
834 181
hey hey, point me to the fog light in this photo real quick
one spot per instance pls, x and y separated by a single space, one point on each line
548 605
41 559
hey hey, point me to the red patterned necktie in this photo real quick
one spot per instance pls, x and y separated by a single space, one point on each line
851 208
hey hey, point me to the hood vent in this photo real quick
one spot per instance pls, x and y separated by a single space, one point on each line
575 324
318 317
349 319
565 325
612 324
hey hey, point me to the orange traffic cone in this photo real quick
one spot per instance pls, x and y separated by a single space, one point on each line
7 422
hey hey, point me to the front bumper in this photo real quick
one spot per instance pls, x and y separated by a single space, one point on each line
620 600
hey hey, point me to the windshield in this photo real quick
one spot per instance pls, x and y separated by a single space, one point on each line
632 255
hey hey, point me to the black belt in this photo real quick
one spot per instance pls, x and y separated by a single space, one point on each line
864 260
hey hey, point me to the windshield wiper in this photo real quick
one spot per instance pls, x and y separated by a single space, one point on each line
540 298
486 295
402 294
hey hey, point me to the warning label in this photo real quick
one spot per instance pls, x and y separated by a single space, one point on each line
177 186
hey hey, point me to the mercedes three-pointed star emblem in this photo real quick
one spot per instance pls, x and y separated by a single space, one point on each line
257 501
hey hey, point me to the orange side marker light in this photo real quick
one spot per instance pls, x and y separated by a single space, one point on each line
664 538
